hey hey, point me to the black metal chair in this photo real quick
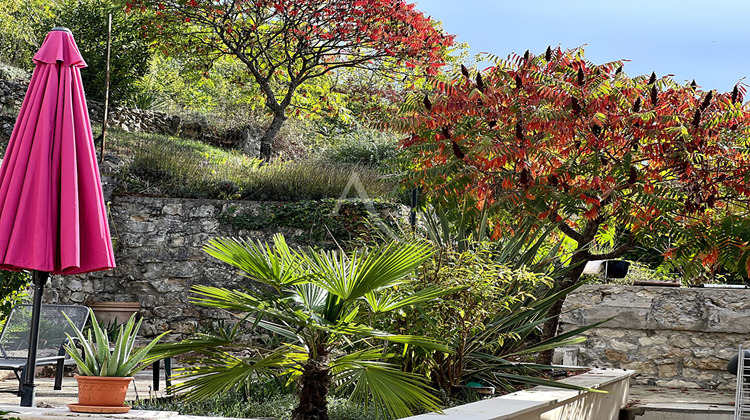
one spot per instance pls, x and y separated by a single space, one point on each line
14 339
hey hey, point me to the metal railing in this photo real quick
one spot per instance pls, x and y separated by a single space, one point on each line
742 397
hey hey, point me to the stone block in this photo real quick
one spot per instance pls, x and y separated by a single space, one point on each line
209 226
74 285
167 312
622 346
614 356
681 341
132 240
140 227
728 320
177 241
77 297
642 367
706 363
202 211
700 375
678 383
653 340
627 318
668 370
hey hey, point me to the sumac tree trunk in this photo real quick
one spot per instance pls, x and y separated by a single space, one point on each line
267 140
549 328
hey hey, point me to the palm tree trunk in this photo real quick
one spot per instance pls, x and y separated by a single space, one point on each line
313 391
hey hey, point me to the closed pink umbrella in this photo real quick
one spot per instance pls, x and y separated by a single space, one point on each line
52 213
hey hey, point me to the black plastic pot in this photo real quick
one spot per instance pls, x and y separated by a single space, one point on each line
617 269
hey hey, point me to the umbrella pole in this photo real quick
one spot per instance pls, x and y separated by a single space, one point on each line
28 390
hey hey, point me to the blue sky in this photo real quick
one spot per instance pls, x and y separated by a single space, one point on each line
708 41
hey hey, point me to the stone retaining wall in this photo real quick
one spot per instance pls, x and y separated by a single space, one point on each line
158 249
672 337
12 93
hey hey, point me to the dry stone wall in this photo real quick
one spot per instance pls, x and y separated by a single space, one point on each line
12 92
158 248
673 337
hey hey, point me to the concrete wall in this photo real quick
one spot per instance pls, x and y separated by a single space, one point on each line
672 337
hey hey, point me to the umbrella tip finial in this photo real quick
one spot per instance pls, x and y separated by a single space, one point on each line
60 28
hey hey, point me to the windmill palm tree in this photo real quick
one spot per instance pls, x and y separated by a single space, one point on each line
315 302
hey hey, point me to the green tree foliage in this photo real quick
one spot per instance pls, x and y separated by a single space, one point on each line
12 290
18 40
87 19
284 44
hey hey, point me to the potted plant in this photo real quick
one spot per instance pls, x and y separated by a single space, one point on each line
106 368
114 311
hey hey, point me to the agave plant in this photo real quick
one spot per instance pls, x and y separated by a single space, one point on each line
99 357
317 304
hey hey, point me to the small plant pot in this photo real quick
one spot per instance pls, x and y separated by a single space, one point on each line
101 391
117 312
617 269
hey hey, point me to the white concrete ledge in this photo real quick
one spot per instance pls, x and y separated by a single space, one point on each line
547 403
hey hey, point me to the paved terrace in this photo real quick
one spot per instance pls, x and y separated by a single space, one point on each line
646 402
51 404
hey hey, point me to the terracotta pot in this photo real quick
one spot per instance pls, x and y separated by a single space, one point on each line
102 390
118 312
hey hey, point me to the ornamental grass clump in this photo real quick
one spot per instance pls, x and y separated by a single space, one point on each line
99 357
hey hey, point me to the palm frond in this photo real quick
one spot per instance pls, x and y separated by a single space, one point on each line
390 302
275 266
382 384
351 277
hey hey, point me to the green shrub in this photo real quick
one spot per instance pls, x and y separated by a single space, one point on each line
364 146
13 286
18 42
488 291
326 223
87 19
276 403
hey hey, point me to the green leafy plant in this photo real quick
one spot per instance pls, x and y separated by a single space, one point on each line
490 321
87 19
264 400
99 357
12 290
494 319
315 301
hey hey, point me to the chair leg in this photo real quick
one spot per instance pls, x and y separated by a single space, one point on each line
21 379
59 374
156 375
168 371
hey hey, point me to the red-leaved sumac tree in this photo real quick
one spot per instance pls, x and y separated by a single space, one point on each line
285 43
561 140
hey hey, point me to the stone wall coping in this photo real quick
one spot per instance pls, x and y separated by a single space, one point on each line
537 399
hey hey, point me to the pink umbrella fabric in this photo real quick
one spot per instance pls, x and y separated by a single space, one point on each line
52 213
